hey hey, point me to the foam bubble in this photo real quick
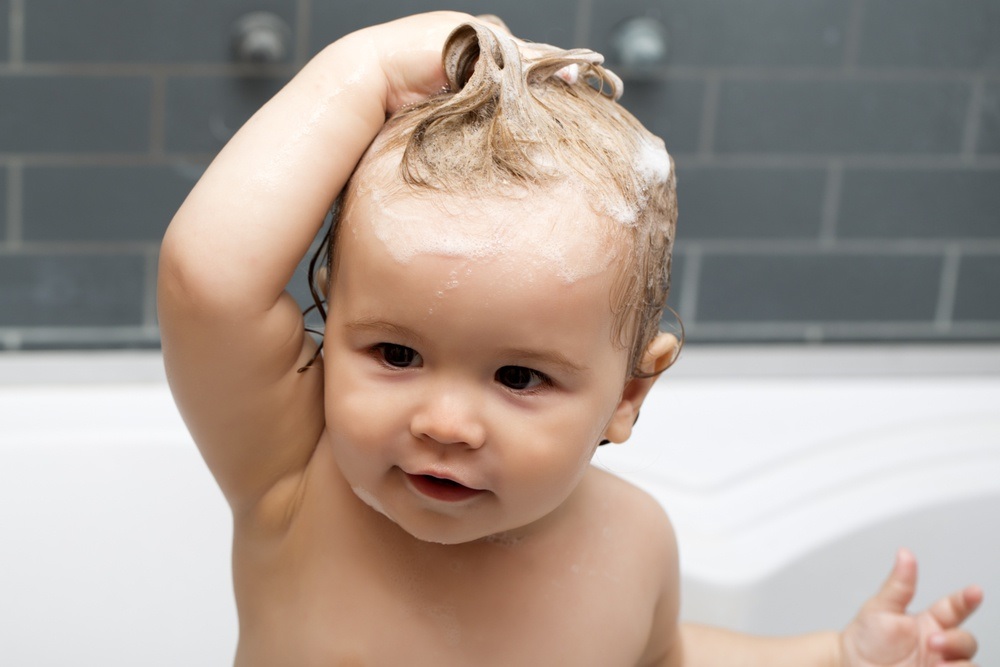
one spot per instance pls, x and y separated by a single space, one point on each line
503 539
652 162
652 167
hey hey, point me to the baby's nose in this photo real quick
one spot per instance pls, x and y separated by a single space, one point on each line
450 415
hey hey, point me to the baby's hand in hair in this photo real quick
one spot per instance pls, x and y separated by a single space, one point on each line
884 635
409 53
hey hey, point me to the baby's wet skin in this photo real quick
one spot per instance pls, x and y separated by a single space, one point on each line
495 364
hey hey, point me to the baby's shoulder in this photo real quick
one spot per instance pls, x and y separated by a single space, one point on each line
636 515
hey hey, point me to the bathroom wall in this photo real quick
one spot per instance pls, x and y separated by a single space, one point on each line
838 160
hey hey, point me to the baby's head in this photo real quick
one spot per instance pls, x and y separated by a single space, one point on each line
528 125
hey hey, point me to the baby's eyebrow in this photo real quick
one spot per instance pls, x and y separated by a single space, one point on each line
546 357
381 326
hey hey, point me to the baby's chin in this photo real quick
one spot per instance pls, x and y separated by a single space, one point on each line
457 532
457 535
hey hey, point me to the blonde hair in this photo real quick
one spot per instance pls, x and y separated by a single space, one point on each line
523 117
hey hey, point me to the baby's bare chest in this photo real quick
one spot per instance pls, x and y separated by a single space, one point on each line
348 623
356 608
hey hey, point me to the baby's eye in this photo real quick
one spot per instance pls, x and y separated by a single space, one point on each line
521 378
399 356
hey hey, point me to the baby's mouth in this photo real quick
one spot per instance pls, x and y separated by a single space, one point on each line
443 481
441 488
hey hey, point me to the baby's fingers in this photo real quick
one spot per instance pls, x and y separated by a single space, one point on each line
951 611
954 644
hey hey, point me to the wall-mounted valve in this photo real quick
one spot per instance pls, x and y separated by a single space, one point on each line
640 44
260 38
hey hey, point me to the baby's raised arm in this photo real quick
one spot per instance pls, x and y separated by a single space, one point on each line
232 337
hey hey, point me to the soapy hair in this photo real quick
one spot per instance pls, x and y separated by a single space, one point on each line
519 118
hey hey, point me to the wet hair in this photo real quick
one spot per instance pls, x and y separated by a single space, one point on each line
520 118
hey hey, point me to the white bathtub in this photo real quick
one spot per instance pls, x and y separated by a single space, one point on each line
791 476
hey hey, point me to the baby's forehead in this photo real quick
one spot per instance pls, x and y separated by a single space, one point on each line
549 227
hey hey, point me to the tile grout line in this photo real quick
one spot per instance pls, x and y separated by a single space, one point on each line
150 257
303 16
14 337
687 308
709 115
79 248
744 330
852 40
672 73
900 161
158 116
896 161
905 247
584 11
143 159
948 290
111 69
16 30
15 205
830 210
970 137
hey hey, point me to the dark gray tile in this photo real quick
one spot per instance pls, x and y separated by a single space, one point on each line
750 203
920 203
669 321
818 287
978 297
298 287
552 22
204 112
74 114
841 117
71 290
931 33
4 30
3 205
123 340
677 263
160 31
103 203
734 32
989 120
298 284
671 110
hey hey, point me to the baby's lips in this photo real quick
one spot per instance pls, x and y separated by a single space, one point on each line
442 488
445 476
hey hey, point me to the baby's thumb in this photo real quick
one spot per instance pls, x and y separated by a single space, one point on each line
898 590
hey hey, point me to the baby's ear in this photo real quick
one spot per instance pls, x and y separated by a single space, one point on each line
658 356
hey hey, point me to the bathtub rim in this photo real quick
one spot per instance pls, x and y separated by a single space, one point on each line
77 367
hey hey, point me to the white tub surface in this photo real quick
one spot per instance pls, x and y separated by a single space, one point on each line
116 540
791 475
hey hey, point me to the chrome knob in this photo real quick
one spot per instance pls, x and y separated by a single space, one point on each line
640 43
260 38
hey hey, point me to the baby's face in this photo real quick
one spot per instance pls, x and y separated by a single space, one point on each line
470 367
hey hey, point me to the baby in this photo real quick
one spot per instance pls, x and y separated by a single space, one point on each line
421 493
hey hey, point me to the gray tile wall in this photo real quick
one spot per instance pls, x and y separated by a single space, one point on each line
838 160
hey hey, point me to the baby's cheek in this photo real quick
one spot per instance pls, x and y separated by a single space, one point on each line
560 459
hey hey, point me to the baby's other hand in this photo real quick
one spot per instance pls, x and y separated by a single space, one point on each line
884 635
